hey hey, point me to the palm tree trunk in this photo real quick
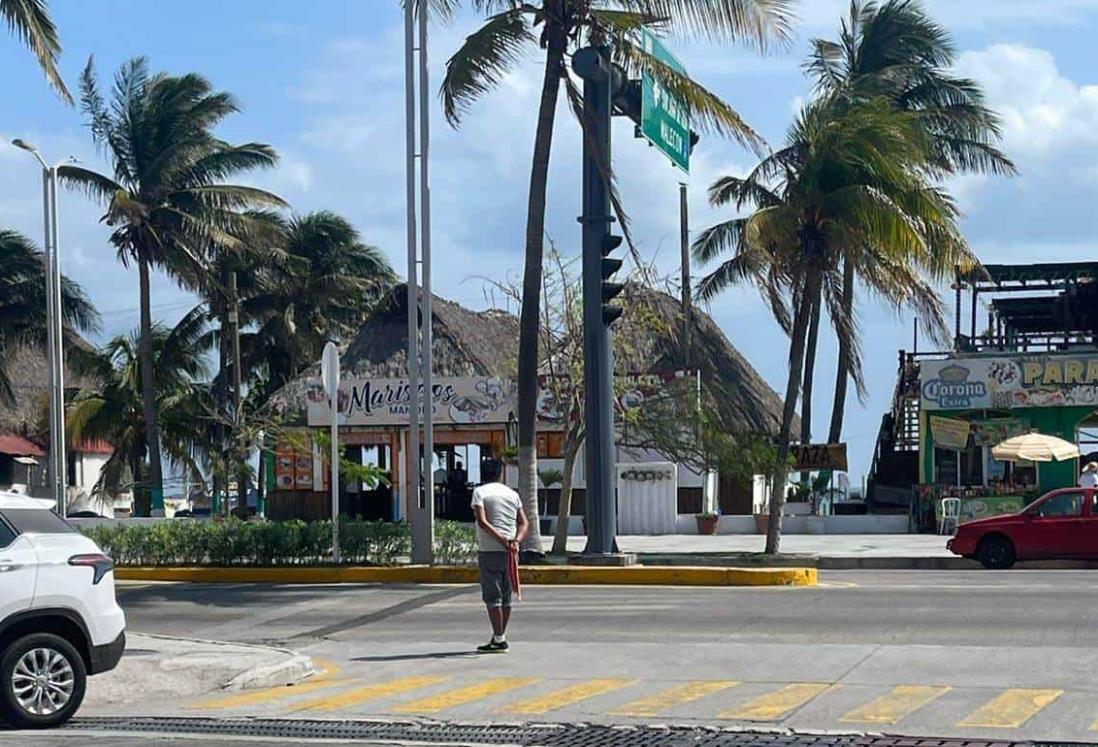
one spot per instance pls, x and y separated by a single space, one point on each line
842 377
148 395
530 318
809 372
792 391
564 509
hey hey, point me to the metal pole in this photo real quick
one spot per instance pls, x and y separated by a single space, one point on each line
47 240
335 477
414 462
957 308
234 321
58 354
428 504
687 307
55 339
598 371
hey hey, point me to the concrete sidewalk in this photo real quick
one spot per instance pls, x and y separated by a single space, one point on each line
830 552
160 668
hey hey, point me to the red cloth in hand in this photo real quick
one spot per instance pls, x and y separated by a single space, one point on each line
513 572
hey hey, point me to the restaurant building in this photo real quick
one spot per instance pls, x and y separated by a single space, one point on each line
473 404
1027 362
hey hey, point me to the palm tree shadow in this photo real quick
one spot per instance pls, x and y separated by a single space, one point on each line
415 657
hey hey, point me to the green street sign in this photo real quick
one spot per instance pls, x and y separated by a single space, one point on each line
665 116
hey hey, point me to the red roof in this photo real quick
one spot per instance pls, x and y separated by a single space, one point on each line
19 446
94 447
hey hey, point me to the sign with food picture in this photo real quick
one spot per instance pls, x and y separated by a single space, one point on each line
453 400
949 432
1009 383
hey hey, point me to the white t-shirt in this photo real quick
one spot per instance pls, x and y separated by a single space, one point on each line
501 509
1088 480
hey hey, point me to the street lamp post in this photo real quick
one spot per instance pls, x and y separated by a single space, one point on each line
54 330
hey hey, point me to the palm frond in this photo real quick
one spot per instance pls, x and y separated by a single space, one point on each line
31 22
485 56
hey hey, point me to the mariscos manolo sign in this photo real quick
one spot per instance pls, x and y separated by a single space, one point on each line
369 401
1009 383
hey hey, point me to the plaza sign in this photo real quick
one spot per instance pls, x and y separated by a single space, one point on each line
665 116
1009 383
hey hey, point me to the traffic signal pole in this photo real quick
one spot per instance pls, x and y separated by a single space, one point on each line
592 64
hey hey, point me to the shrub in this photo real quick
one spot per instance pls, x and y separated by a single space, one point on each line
273 543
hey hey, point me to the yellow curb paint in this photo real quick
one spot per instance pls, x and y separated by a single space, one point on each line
268 695
1011 709
898 704
464 695
661 702
633 575
360 695
778 704
567 696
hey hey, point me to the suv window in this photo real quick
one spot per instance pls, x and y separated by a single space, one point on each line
37 520
1065 504
7 536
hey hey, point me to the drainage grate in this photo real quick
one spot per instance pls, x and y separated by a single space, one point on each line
580 735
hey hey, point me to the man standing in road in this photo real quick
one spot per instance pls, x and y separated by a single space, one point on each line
501 525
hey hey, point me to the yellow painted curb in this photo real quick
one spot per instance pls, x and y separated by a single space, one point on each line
539 574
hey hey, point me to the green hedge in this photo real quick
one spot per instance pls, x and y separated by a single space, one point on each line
273 543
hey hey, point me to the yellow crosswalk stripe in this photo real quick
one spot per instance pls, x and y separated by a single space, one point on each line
778 704
890 709
463 695
568 696
661 702
359 695
1011 709
268 695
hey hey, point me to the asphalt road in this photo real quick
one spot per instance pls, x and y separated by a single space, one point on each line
1009 656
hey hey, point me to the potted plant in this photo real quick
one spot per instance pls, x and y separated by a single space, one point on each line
762 522
707 523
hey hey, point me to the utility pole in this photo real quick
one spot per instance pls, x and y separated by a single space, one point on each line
420 500
592 64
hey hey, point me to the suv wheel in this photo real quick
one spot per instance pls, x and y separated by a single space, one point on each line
42 681
996 553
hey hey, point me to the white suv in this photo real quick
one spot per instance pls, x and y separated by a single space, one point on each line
59 621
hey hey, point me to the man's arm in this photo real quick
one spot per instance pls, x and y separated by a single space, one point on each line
482 522
522 527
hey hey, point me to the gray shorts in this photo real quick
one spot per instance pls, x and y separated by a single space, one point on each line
495 583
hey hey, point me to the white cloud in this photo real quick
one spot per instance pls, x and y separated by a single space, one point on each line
964 14
1041 109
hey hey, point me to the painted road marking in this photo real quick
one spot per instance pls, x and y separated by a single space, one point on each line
463 695
360 695
568 696
898 704
661 702
269 695
1011 709
778 704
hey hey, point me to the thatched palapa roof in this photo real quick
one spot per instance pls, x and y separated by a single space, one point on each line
485 343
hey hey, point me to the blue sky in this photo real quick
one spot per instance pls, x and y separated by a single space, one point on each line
322 82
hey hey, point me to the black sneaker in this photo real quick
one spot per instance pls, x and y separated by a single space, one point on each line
493 648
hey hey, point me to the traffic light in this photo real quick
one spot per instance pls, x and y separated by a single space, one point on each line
610 290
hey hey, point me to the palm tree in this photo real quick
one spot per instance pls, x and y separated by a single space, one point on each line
165 198
30 21
850 185
112 408
559 27
322 285
895 50
23 302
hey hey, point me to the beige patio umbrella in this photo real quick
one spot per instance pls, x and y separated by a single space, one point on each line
1035 447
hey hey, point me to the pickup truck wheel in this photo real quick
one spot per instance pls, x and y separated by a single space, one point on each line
996 553
42 681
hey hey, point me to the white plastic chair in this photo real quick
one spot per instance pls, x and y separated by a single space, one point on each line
951 515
